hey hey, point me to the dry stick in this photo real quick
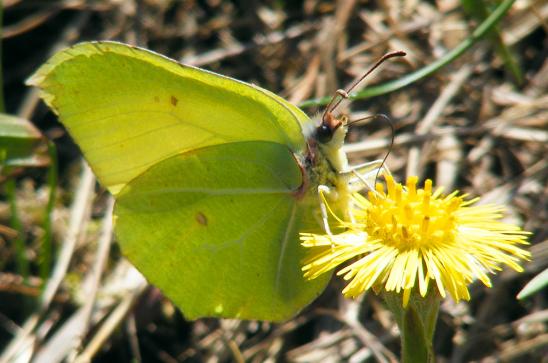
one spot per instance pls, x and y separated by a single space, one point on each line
432 117
60 342
378 350
22 342
29 23
370 341
280 331
230 329
502 193
343 13
112 322
79 213
124 278
374 146
513 352
304 87
350 310
97 271
131 326
31 287
321 347
8 325
235 350
384 37
325 41
448 160
532 318
523 134
233 51
49 10
525 22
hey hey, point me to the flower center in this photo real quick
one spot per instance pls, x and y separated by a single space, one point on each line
410 218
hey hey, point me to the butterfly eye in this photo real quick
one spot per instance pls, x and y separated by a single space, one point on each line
324 133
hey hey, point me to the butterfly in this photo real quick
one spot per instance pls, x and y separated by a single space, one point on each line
213 178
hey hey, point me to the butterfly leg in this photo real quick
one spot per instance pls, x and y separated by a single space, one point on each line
363 175
323 191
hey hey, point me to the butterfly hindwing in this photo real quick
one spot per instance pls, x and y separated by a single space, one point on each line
217 228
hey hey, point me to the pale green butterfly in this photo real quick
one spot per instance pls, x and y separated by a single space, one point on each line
213 178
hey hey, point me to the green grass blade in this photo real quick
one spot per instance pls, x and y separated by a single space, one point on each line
537 284
394 85
22 264
478 10
509 59
46 245
22 144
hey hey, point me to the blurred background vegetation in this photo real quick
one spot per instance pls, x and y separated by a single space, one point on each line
478 123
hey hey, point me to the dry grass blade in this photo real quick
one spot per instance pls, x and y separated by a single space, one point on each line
133 289
433 117
79 214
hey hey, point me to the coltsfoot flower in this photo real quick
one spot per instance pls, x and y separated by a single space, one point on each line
406 239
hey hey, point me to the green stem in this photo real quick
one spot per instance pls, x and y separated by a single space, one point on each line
391 86
417 323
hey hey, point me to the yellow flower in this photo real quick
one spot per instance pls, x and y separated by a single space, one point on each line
407 238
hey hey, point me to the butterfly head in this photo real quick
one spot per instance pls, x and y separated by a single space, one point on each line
327 140
332 130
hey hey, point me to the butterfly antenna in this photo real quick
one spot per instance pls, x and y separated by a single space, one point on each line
390 147
343 94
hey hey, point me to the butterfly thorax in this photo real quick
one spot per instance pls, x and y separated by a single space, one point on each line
326 164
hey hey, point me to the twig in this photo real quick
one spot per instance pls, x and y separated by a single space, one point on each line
112 322
433 116
97 270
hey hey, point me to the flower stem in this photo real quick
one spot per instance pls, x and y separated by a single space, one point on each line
417 322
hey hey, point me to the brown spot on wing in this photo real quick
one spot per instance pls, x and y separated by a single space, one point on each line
174 100
201 218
